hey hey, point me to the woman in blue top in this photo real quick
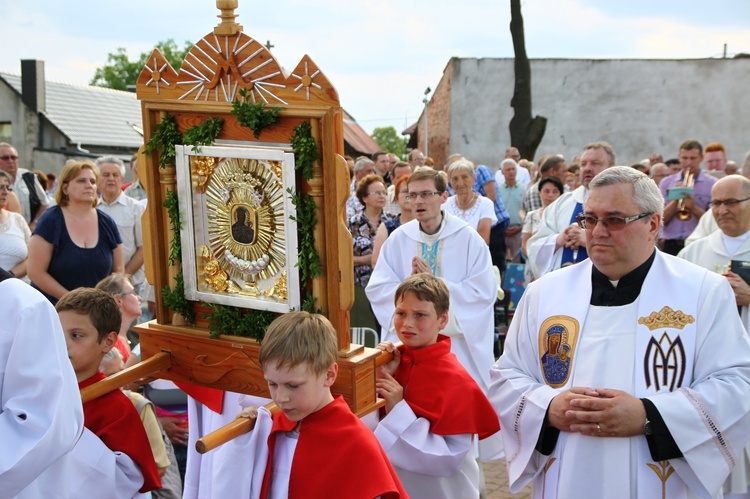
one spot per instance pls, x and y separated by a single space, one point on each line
74 245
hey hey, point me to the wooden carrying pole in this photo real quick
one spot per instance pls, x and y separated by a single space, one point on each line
159 362
240 426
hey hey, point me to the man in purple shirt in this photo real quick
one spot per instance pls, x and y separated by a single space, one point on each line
675 231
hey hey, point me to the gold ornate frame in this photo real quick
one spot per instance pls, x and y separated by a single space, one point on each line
239 239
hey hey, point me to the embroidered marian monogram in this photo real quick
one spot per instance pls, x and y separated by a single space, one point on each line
664 363
557 342
664 360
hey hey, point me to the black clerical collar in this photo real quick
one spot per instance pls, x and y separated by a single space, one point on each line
604 294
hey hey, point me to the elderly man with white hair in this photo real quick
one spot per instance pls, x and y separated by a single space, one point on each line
624 375
126 212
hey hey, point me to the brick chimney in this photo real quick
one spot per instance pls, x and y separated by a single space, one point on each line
33 85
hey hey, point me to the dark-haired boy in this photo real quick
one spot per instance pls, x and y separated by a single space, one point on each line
315 447
124 464
433 406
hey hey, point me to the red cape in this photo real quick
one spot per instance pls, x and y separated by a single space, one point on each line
336 456
439 389
213 398
113 418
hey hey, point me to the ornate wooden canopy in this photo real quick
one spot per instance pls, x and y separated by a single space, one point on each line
225 66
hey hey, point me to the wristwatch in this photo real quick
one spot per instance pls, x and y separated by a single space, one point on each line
647 428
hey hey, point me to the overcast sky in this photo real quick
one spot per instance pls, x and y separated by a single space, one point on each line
380 54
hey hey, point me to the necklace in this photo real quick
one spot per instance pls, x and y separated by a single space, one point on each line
468 205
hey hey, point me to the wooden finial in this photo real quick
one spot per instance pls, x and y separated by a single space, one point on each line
227 26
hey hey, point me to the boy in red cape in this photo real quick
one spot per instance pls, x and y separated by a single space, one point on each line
316 448
433 406
113 457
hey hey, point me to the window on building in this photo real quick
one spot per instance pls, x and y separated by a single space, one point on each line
6 132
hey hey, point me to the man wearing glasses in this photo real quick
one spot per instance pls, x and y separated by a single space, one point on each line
559 241
416 158
445 246
26 186
624 373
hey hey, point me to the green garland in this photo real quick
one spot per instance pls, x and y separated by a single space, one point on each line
164 139
253 115
225 319
234 322
305 150
175 300
308 259
173 211
204 134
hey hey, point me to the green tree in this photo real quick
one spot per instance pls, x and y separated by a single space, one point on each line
120 71
389 140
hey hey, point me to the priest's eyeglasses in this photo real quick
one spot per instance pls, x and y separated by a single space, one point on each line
610 223
716 203
412 196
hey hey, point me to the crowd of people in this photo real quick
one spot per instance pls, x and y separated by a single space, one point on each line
626 369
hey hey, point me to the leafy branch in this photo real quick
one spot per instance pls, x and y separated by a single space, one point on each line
305 150
308 258
164 139
173 211
253 115
175 300
204 134
233 321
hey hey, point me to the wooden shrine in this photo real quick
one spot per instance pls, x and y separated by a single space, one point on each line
242 237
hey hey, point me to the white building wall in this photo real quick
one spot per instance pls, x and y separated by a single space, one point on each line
639 106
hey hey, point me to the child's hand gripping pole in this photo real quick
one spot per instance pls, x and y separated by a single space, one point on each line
240 426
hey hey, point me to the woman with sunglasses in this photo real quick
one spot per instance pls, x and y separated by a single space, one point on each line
120 286
371 192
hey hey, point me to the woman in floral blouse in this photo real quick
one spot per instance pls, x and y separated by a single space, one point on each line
371 192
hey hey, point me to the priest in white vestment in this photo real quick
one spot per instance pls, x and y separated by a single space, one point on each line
559 242
445 246
624 375
706 226
730 209
41 415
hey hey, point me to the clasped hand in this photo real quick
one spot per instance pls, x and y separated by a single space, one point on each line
600 412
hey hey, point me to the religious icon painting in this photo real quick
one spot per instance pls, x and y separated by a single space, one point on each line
239 239
558 337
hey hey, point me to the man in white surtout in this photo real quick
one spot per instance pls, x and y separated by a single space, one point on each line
730 208
624 375
442 245
559 241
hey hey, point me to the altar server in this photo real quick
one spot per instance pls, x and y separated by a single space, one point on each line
113 457
444 246
624 374
41 417
315 447
434 409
